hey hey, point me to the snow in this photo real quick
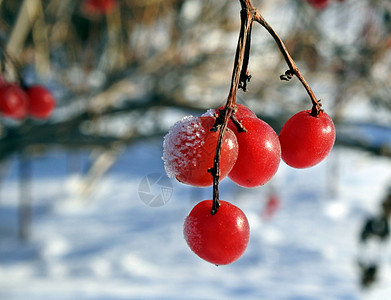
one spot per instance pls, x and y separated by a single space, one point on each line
209 113
181 145
113 246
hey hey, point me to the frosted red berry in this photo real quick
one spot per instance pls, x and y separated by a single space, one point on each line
13 101
259 154
219 239
40 101
189 149
306 140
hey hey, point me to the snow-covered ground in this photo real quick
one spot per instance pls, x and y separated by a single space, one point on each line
113 246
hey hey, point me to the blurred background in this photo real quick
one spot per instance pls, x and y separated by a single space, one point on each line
73 222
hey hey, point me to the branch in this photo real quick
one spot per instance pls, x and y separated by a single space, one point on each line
241 59
26 17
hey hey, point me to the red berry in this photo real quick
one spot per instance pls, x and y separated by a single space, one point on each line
306 140
220 238
13 101
189 149
318 4
272 206
99 6
259 154
41 101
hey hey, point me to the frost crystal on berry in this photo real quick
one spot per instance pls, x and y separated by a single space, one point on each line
182 139
191 233
209 113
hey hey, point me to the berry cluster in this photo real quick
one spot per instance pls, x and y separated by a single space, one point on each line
250 156
18 102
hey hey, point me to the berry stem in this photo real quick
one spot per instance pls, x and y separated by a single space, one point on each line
239 80
293 69
240 73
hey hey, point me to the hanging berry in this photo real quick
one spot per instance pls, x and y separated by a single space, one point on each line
40 102
13 101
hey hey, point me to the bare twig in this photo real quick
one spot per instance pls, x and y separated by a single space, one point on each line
293 69
241 58
26 17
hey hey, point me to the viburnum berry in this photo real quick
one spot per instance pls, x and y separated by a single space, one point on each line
220 238
189 149
318 4
99 6
306 140
259 154
13 101
40 101
272 206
